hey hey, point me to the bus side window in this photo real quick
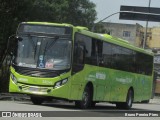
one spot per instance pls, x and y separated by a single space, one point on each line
107 55
79 54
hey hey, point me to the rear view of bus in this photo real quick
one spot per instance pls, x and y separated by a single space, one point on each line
42 60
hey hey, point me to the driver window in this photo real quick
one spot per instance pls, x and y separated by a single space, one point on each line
79 53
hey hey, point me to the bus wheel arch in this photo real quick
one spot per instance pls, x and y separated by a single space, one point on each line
87 97
129 100
132 89
90 85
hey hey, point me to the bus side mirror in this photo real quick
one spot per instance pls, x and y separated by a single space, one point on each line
12 44
17 38
14 39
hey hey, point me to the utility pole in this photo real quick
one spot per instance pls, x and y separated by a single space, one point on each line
145 34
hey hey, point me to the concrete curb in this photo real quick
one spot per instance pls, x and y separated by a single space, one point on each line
155 100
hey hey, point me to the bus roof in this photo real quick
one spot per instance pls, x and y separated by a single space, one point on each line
103 37
115 40
49 23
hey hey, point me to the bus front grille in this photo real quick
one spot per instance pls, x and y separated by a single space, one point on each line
33 72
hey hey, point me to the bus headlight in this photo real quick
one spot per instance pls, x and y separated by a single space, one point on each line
14 79
60 83
64 81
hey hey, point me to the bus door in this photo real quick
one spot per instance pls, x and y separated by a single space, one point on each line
77 70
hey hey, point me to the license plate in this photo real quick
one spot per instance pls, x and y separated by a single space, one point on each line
34 89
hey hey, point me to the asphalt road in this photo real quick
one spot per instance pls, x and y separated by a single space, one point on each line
63 110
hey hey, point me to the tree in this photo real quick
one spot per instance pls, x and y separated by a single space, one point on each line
83 12
99 28
12 12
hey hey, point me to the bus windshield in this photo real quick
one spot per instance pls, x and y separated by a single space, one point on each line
44 52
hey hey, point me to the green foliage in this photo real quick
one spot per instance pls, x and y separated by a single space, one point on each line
83 12
99 28
76 12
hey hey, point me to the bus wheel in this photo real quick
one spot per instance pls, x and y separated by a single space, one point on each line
128 103
93 104
86 99
37 100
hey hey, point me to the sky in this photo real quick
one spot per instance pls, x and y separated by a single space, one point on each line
105 8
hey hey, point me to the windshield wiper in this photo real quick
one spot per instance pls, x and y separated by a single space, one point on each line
34 45
48 47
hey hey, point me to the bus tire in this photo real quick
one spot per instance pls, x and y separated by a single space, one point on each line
128 103
37 100
93 104
86 99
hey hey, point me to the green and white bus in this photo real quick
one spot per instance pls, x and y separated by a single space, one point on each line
63 61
